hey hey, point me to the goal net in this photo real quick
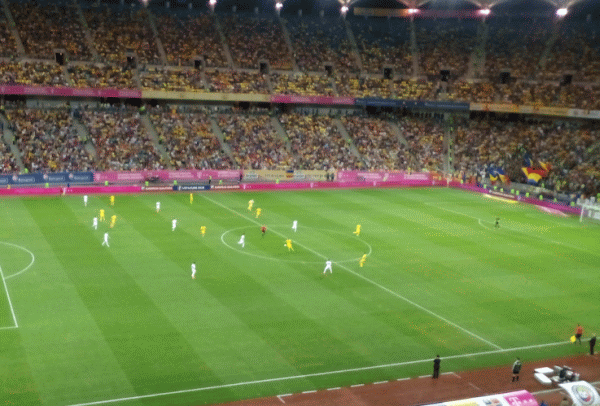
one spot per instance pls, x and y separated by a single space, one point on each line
590 212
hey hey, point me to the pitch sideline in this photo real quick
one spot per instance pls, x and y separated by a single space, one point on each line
342 371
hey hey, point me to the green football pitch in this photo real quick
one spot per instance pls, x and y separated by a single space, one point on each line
82 323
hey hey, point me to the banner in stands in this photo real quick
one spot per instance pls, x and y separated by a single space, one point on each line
518 398
166 175
413 104
581 393
70 91
52 178
282 98
206 96
345 176
267 174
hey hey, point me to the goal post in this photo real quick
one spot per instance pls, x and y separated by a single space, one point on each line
590 211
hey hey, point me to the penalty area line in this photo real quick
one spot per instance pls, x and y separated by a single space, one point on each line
12 310
358 275
326 373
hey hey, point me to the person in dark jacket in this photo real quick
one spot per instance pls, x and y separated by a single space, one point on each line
436 367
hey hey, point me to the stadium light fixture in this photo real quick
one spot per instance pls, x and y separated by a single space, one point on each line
561 12
413 10
485 11
344 9
212 3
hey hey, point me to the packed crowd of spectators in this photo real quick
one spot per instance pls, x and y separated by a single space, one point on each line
361 86
317 143
445 45
377 142
8 163
121 140
118 32
570 147
236 82
320 41
189 37
101 76
424 143
8 46
189 140
171 80
517 46
586 97
48 141
31 74
43 28
254 143
383 44
302 84
252 39
576 51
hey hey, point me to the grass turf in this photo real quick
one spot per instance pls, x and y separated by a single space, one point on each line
98 323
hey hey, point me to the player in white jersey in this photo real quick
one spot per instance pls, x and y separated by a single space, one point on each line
295 225
85 199
95 223
105 242
157 207
193 270
242 240
173 224
327 267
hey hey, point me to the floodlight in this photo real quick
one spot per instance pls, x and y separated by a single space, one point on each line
561 12
278 5
344 9
212 2
413 10
485 11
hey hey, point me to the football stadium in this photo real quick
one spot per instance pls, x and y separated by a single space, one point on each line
299 202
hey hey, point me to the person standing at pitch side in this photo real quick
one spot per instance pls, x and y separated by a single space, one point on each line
436 367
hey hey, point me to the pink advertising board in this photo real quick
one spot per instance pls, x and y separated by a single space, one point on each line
31 191
82 190
326 100
166 175
520 398
70 91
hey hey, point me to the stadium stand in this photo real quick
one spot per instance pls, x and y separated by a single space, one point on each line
317 143
254 38
320 41
254 143
119 32
189 140
48 141
60 25
121 141
382 43
187 37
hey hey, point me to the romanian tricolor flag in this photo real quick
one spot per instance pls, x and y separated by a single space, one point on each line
534 175
498 173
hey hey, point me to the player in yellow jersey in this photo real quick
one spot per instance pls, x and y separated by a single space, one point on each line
357 232
258 211
112 200
102 215
362 260
203 230
191 198
113 220
250 204
288 244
